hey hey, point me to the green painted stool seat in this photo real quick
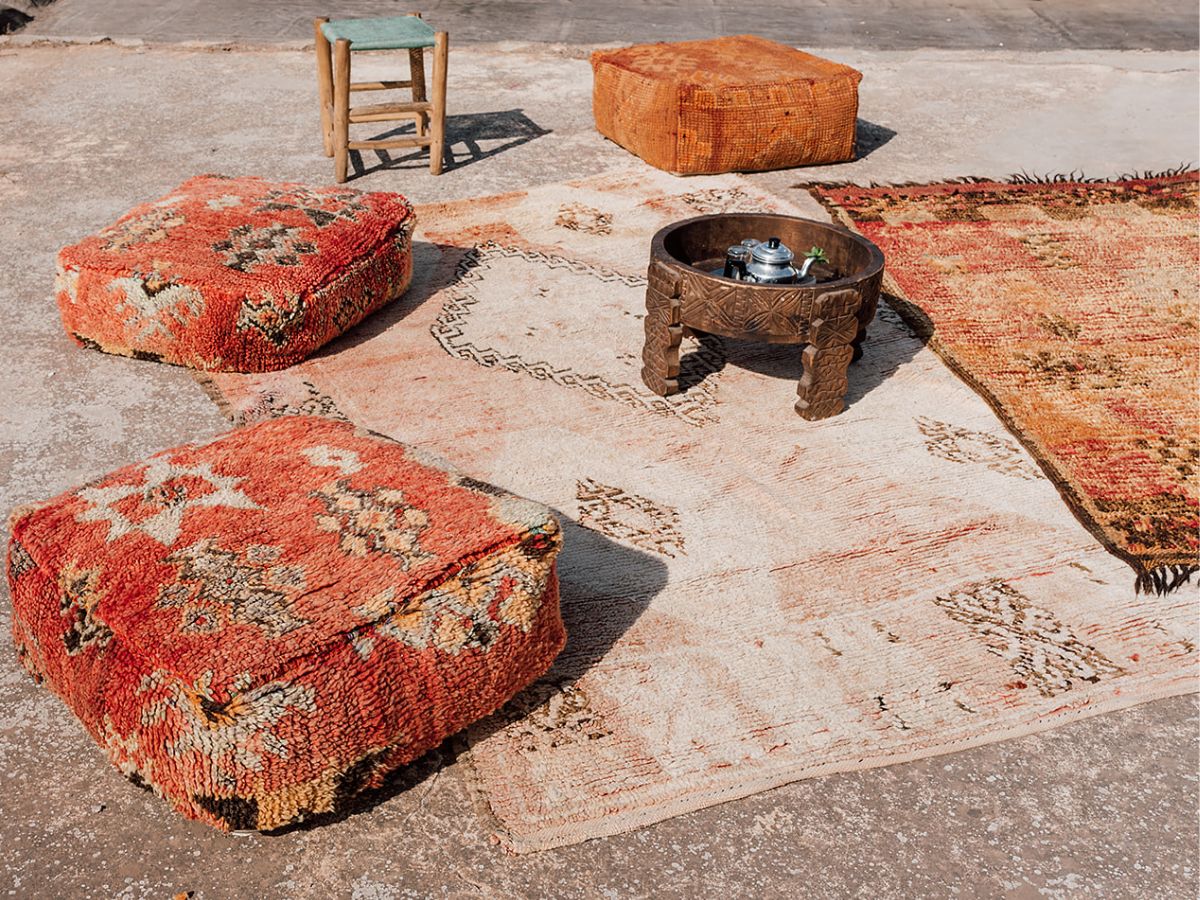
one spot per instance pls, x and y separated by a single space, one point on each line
392 33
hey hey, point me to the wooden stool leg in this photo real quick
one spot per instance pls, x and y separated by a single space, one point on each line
324 85
341 109
416 74
437 145
416 70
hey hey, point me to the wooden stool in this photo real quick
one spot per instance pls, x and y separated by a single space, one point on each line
335 40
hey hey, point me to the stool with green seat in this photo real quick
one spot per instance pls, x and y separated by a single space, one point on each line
335 40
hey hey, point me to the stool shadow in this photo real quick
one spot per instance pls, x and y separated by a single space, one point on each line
869 137
502 131
890 344
604 588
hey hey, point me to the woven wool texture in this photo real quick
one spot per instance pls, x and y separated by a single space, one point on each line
261 642
750 598
236 274
727 105
1072 308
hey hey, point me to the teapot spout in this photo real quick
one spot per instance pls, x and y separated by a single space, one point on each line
803 272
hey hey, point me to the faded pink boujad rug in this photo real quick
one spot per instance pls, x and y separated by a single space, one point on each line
751 598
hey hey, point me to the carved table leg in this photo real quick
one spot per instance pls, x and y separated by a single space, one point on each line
866 313
660 353
858 342
822 389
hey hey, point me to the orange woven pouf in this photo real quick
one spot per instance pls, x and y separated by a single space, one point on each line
733 104
261 627
236 274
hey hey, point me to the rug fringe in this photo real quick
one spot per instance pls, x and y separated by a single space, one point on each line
1078 177
1164 579
1022 177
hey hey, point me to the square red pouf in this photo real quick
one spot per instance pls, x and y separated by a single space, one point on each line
733 104
236 274
263 626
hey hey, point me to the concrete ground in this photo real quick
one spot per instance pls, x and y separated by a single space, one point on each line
877 24
1102 808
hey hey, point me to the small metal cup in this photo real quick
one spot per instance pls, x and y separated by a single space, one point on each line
736 258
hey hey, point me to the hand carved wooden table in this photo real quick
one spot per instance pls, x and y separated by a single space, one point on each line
829 317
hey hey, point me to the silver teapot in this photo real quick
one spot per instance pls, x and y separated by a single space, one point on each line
767 262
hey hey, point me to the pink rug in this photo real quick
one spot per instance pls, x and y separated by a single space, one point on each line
750 598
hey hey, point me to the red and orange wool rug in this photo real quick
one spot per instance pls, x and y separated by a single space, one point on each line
1073 308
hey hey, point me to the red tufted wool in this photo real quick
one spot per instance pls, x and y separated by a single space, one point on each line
236 274
262 626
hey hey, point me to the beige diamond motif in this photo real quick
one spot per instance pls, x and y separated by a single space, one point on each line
172 500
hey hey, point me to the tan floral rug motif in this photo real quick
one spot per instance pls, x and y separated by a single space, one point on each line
1074 309
751 598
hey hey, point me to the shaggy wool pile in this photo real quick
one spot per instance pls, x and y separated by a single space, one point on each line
1072 307
260 643
750 598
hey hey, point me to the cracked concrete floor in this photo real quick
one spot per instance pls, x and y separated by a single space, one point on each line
1105 807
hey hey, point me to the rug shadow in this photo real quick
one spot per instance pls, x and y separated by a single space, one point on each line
869 137
890 343
604 587
500 131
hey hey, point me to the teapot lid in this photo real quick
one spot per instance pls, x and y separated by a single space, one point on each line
773 252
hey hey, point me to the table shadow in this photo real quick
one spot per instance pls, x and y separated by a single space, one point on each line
890 343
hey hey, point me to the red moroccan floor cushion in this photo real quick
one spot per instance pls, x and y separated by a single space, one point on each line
236 274
262 626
